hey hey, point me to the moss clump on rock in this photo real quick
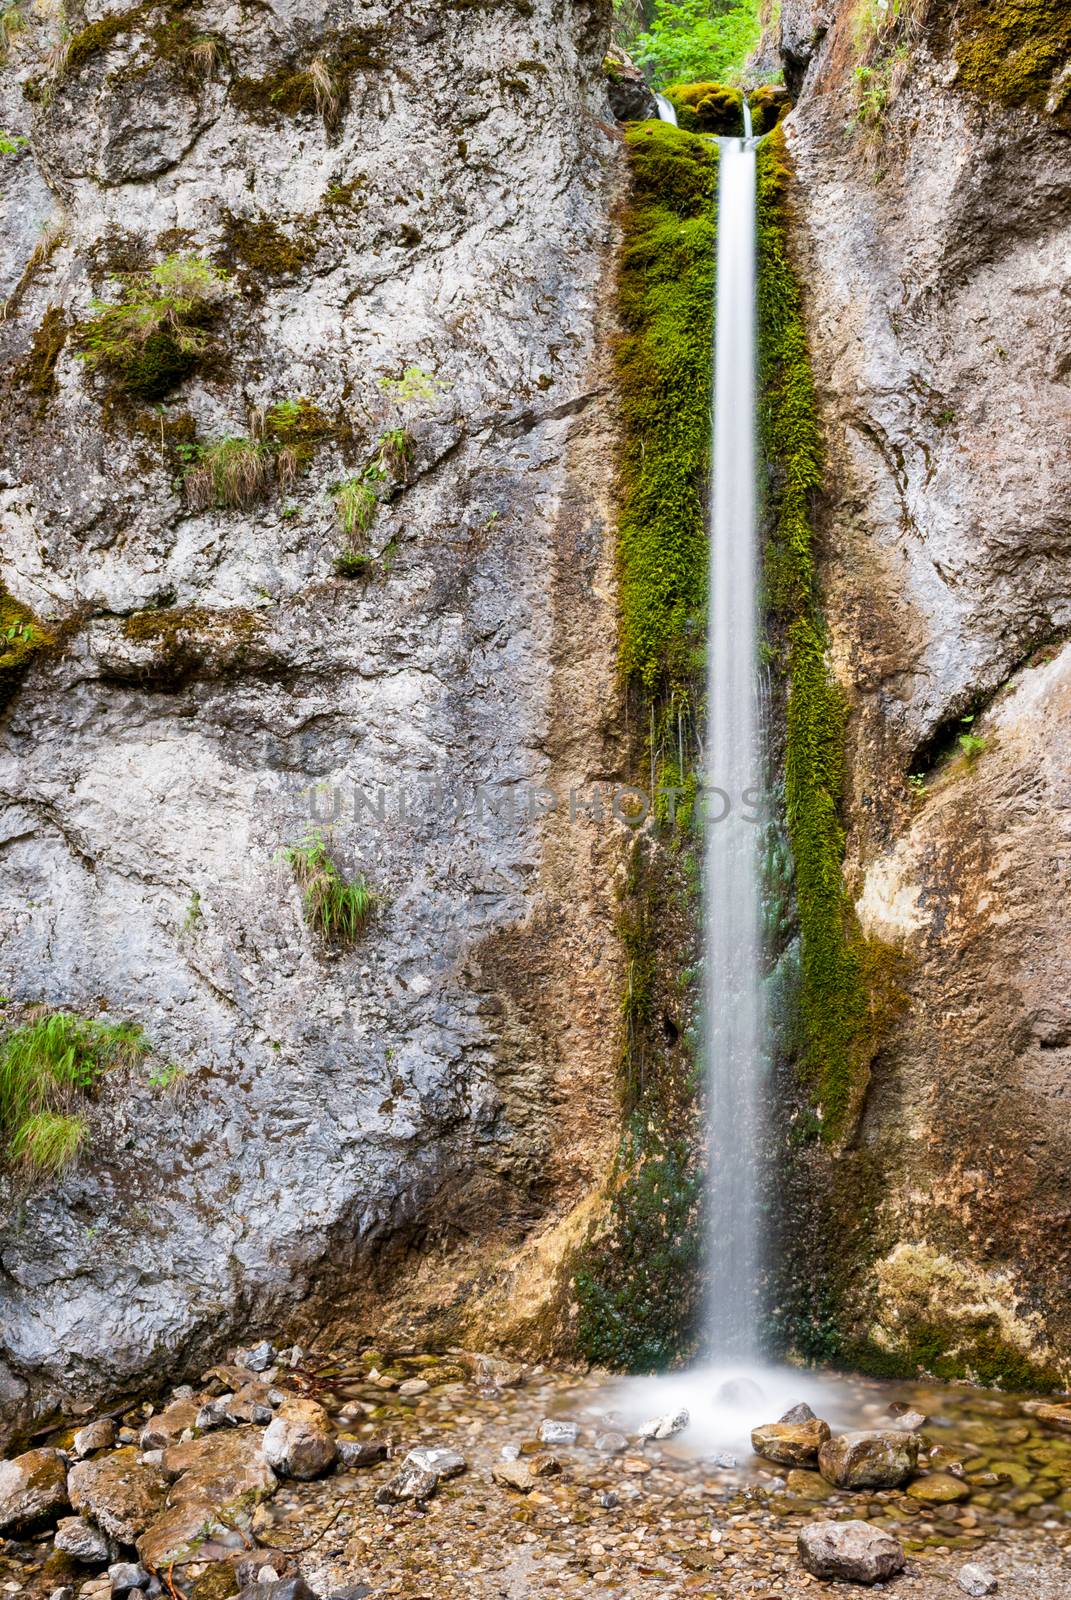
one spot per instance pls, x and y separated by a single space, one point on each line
1015 51
186 641
708 107
849 985
37 371
154 335
259 251
318 85
21 638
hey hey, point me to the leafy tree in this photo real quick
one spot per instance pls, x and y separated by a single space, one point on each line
697 39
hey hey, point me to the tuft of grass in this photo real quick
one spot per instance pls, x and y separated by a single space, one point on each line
396 453
352 563
12 22
229 472
46 1068
203 54
338 911
326 92
154 335
356 504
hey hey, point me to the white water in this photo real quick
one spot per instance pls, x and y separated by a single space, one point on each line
732 925
665 110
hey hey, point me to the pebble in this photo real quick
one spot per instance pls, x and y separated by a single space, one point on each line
552 1431
976 1580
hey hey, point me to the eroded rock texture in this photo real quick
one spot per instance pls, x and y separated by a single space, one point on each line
444 205
933 244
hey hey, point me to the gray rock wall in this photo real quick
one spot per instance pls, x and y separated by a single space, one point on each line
454 218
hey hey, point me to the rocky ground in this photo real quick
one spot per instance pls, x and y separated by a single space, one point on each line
435 1476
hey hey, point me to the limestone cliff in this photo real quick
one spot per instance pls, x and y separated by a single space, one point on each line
411 206
932 206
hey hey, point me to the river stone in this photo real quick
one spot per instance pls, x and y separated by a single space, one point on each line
80 1538
611 1444
299 1442
257 1359
1054 1416
808 1485
790 1444
361 1452
410 1482
551 1431
939 1488
869 1459
851 1552
33 1488
798 1413
664 1427
976 1580
98 1435
221 1467
294 1588
127 1575
514 1475
121 1493
175 1420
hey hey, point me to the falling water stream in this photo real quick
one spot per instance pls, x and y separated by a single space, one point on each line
732 923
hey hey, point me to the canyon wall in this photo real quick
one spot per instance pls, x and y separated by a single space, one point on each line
420 197
932 234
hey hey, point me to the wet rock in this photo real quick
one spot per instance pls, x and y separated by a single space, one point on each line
66 1593
80 1538
257 1359
611 1444
299 1441
869 1459
516 1475
33 1490
909 1421
121 1493
798 1413
444 1463
808 1485
551 1431
724 1459
283 1589
976 1580
175 1420
627 90
413 1386
216 1414
408 1483
939 1488
219 1467
354 1453
664 1427
790 1444
851 1552
494 1372
189 1531
1054 1416
98 1435
127 1575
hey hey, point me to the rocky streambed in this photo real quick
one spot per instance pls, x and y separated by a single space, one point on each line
285 1475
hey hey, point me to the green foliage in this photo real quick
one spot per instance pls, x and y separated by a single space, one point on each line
697 39
849 985
21 638
665 296
971 745
10 143
320 85
154 335
46 1068
413 385
232 472
166 1076
395 455
356 503
338 911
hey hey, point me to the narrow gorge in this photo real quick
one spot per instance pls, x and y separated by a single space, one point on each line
535 678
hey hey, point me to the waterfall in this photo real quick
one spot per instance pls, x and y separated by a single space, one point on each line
733 776
665 110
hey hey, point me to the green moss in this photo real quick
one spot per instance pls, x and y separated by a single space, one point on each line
21 638
708 107
298 428
155 334
91 41
849 986
1013 51
189 640
260 246
37 371
292 88
665 296
954 1355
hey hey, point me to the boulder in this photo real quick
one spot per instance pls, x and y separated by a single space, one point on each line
300 1442
171 1423
975 1580
1054 1416
33 1490
220 1467
120 1492
798 1413
98 1435
664 1427
869 1459
630 96
80 1538
849 1552
790 1444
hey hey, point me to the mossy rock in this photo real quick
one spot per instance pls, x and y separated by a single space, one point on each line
708 108
22 638
218 1583
1016 52
37 371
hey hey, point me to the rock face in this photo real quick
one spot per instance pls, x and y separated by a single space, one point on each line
33 1490
869 1459
215 683
935 301
849 1552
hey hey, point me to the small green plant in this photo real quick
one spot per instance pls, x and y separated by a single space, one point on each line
351 563
413 385
396 453
356 502
229 472
166 1076
194 913
11 142
12 21
153 336
338 911
971 746
917 781
46 1068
